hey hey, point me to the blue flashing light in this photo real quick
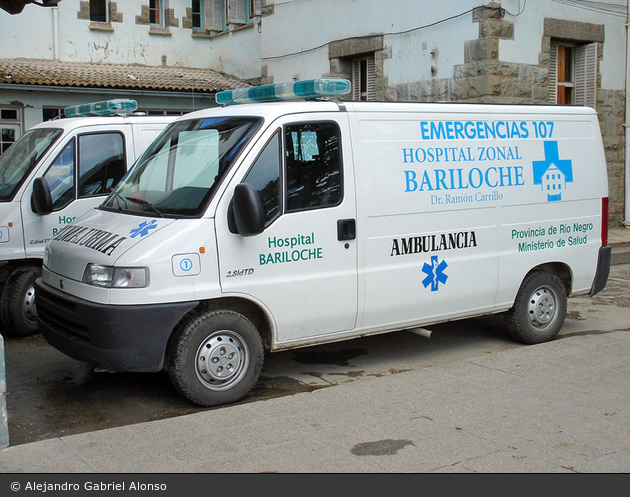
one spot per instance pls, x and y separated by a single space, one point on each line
313 88
119 106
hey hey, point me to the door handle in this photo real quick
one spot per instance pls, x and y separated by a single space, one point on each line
346 229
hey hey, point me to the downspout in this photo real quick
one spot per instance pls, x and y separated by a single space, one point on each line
627 123
55 15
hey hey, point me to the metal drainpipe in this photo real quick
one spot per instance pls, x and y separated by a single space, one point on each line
55 15
627 123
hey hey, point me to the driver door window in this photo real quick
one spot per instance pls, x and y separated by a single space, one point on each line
100 160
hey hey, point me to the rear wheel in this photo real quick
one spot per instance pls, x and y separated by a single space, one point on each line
216 358
18 300
539 309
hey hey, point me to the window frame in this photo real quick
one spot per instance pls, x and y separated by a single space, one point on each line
582 76
200 14
106 11
13 122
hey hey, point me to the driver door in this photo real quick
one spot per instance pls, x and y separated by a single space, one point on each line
303 268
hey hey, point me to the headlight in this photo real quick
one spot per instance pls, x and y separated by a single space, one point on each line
116 277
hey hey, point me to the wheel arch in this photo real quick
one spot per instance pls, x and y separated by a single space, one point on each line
560 269
251 310
13 266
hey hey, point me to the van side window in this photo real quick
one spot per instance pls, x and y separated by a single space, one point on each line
60 177
313 166
265 177
101 163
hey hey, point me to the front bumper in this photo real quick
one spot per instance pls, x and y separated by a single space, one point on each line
113 337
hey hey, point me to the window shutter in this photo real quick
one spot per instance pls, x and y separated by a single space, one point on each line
356 79
236 11
371 86
363 79
213 15
256 7
553 74
585 74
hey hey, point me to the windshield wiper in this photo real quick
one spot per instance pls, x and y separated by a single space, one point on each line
118 198
145 203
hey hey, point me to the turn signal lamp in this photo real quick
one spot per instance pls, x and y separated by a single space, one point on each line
313 88
119 106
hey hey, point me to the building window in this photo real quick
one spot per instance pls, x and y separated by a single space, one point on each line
98 11
573 74
197 15
50 113
156 12
363 76
10 128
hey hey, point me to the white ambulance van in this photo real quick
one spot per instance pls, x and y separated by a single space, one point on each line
72 164
281 224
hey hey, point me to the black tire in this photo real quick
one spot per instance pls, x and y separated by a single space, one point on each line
539 309
19 302
5 324
232 347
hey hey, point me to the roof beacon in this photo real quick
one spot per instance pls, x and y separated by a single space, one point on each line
313 88
119 107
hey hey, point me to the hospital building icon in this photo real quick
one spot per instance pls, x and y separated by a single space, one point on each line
553 173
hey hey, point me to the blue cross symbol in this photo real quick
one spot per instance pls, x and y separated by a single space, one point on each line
435 273
144 228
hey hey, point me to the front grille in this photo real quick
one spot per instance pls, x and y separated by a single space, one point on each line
59 315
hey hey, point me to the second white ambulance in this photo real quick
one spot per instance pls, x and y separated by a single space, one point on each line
276 225
53 173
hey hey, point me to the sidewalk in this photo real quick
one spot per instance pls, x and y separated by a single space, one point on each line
514 411
562 406
619 239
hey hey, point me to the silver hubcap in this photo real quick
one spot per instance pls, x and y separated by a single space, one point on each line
221 360
542 307
30 311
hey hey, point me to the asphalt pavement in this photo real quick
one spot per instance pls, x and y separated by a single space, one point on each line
557 407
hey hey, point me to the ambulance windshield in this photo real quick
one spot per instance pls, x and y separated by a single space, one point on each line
178 173
21 157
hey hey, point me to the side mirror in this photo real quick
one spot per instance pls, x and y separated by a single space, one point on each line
247 206
41 200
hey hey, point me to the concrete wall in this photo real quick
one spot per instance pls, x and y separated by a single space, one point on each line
127 39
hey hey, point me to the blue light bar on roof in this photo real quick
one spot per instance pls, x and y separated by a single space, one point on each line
119 106
313 88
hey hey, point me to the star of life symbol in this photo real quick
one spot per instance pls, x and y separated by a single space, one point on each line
553 173
143 228
435 273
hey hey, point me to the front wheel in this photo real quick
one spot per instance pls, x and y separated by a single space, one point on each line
20 312
539 309
216 358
